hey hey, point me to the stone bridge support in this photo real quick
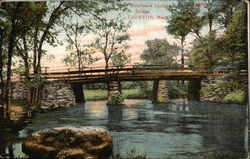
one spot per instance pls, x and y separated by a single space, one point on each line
160 91
194 88
114 87
57 94
19 91
78 92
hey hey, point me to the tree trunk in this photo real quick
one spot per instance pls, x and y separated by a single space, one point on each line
210 19
12 39
39 57
106 63
35 50
27 70
79 60
182 57
25 59
182 52
1 75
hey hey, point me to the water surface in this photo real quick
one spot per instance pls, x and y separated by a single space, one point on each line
178 130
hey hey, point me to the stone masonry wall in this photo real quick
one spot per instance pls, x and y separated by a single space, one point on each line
210 91
162 93
113 89
57 94
19 91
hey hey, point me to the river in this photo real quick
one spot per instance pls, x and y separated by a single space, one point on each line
177 130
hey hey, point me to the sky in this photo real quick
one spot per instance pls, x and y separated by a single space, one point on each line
148 22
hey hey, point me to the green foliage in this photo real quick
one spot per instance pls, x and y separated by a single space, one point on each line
112 36
93 95
236 40
146 88
120 59
237 96
234 81
36 81
226 10
129 85
176 90
96 86
133 94
80 59
184 18
206 52
116 99
79 53
225 52
131 154
160 52
229 86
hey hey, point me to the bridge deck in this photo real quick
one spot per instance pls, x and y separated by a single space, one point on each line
129 73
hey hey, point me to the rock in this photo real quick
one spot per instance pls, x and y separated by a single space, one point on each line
69 142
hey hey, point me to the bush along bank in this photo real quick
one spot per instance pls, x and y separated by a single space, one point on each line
224 89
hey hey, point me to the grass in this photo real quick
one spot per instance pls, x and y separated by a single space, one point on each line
95 94
92 95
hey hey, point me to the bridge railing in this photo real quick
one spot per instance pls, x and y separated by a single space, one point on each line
96 72
93 72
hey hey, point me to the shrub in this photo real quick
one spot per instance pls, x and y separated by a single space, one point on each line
131 154
116 99
237 96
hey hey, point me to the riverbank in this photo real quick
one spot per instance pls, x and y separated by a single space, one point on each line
93 95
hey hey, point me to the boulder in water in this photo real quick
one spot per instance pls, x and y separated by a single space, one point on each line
69 142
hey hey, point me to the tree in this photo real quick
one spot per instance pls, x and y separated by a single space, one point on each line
206 52
36 13
31 25
112 37
45 31
120 59
226 11
10 13
184 17
211 12
80 55
236 40
226 52
160 52
1 72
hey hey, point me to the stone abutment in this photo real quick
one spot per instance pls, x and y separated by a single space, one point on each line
55 94
114 89
160 91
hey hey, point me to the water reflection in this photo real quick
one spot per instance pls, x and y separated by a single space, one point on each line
180 129
95 109
222 126
114 117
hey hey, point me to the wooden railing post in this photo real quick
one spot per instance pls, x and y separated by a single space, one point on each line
91 73
46 73
68 73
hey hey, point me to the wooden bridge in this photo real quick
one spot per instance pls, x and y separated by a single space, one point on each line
65 86
128 73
